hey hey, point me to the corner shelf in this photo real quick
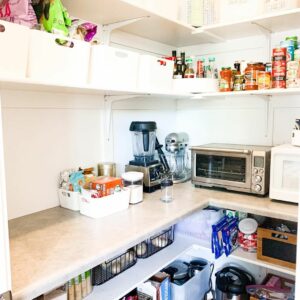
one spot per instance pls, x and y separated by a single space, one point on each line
272 22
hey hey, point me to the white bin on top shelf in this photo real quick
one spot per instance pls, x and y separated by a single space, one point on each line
14 40
113 69
155 74
52 61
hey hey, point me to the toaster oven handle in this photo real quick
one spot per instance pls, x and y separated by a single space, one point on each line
245 151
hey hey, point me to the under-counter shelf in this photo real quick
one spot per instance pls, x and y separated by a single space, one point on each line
57 244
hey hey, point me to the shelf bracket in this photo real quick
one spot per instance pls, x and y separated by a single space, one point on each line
106 29
267 33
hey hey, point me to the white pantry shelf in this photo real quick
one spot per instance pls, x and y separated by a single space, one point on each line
272 22
266 93
154 26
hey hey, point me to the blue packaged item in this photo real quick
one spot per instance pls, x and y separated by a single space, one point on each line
230 236
77 181
217 240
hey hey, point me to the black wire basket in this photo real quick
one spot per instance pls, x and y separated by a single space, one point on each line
113 267
155 243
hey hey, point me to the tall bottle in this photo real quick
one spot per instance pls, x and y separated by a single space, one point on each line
182 55
189 71
178 73
174 58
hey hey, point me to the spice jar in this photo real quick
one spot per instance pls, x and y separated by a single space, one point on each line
166 190
226 79
247 236
251 75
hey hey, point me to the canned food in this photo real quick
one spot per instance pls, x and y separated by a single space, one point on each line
278 83
264 80
279 64
238 83
293 65
290 49
279 52
278 73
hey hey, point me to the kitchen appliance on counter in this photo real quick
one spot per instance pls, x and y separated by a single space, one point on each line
177 156
145 144
239 168
231 284
285 173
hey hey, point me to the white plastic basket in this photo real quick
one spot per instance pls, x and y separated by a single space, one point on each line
14 41
296 138
101 207
53 62
113 68
69 199
155 74
195 85
278 5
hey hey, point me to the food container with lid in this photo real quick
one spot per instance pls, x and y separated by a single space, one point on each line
247 236
134 181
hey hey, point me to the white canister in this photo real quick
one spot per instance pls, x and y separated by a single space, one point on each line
134 181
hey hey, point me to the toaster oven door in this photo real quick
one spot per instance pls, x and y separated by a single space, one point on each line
230 170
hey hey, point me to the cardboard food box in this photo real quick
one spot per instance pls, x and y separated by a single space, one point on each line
161 281
106 186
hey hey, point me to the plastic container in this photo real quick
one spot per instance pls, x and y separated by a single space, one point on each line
247 235
14 42
113 267
296 138
134 182
155 243
113 68
69 199
51 61
155 74
101 207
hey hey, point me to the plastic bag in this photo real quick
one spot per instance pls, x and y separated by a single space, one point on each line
4 9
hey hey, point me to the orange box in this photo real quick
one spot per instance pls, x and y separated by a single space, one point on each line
106 185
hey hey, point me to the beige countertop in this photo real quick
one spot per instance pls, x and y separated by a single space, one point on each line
50 247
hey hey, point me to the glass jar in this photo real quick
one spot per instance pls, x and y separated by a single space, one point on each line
134 181
166 190
251 75
226 79
238 83
264 80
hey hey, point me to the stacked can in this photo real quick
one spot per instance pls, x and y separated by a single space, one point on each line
293 74
279 56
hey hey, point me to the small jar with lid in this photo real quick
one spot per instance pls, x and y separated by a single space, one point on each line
238 84
251 75
166 189
134 181
247 236
226 79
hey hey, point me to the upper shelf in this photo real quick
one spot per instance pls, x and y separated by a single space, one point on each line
272 22
154 27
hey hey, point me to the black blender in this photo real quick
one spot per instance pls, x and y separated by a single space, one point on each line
144 144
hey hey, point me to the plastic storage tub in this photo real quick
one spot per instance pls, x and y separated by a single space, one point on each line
52 62
113 68
101 207
155 74
155 243
69 199
14 43
195 85
113 267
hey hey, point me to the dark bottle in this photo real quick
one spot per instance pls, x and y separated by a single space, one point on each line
182 54
178 73
174 58
237 66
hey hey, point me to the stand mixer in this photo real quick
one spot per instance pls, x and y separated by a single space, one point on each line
144 144
177 156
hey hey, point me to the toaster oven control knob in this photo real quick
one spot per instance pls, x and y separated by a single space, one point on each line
258 178
257 188
255 171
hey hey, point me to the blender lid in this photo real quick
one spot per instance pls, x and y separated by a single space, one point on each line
132 176
142 126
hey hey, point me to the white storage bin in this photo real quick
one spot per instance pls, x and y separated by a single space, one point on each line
277 5
50 61
155 74
236 10
101 207
113 68
14 41
195 85
296 138
193 289
69 199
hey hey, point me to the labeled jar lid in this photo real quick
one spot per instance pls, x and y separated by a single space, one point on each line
132 176
248 226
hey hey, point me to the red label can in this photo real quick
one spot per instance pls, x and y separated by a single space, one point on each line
279 51
278 83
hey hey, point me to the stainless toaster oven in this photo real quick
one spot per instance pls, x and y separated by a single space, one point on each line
241 168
